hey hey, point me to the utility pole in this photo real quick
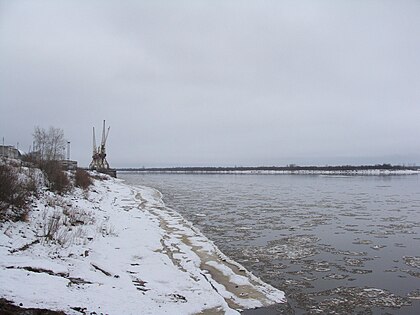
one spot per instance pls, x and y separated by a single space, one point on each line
68 150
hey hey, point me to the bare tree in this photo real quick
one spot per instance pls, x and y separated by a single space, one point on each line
49 144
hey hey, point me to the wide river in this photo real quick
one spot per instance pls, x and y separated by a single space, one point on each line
334 244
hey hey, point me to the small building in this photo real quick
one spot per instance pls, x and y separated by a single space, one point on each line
10 152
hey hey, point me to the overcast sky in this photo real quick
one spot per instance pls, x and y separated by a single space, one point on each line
215 82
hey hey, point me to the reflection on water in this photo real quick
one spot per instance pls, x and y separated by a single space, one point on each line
335 245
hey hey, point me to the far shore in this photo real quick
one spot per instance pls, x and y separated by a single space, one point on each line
379 169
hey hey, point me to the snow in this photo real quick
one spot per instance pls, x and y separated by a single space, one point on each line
119 250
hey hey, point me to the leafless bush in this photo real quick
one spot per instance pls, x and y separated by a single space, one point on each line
54 228
13 195
31 184
52 225
57 178
30 159
14 163
82 179
66 224
77 216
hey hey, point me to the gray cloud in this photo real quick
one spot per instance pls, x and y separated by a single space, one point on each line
216 82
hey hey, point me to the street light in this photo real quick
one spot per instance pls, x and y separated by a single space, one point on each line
68 150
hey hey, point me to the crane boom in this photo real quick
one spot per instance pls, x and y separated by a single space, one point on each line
94 141
107 133
103 134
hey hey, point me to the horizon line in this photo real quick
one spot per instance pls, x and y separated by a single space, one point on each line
274 167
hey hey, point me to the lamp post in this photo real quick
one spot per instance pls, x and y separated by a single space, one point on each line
68 150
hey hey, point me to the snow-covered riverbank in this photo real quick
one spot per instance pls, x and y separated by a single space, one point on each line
118 250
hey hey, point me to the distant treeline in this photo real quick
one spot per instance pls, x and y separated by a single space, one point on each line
291 167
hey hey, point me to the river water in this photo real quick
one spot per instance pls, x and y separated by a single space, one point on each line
334 244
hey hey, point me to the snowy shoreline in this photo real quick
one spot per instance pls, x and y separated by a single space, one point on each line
124 253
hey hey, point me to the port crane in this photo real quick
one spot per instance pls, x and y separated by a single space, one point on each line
99 161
